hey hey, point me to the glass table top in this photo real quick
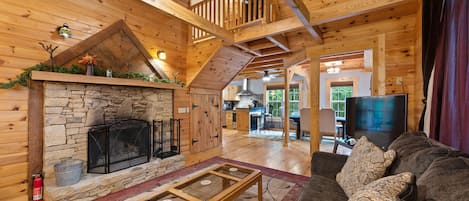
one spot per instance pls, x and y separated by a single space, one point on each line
208 185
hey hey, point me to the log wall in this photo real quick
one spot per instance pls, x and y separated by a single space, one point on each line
25 23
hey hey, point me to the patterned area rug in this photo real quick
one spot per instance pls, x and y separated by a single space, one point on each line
277 185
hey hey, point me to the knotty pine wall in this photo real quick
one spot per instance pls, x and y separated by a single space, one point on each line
25 23
400 33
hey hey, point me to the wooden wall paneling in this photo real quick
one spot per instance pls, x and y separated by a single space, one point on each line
181 99
221 68
28 22
198 55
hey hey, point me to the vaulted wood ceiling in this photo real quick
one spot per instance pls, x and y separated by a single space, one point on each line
299 24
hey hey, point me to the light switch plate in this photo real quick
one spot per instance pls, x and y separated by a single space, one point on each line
181 110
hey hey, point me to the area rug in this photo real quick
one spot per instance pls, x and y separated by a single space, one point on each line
277 185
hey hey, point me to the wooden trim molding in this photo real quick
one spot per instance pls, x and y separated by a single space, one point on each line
85 45
63 77
35 130
329 82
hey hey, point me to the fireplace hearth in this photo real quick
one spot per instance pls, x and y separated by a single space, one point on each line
119 145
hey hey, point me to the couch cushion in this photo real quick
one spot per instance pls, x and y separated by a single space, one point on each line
321 188
366 163
446 179
384 189
415 152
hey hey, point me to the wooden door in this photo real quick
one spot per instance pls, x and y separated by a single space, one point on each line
205 122
197 122
214 133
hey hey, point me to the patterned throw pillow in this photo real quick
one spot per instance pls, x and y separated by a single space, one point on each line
384 189
367 163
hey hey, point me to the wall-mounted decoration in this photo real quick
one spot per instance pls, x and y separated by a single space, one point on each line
49 49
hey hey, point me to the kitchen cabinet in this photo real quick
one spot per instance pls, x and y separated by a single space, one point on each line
229 119
230 93
242 119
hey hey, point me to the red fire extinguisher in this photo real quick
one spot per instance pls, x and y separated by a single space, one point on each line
37 187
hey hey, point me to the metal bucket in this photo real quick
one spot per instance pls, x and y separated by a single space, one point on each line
68 172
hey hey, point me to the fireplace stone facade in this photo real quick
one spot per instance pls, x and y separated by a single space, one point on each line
71 109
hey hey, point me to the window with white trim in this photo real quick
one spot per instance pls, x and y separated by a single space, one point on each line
338 96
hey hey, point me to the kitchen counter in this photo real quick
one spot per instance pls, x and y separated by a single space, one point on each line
242 119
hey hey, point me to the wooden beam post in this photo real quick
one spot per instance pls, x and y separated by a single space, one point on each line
35 130
180 12
301 11
286 110
315 137
379 66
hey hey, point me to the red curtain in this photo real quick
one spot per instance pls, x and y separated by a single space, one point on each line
450 99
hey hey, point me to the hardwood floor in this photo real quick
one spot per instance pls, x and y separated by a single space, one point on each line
265 152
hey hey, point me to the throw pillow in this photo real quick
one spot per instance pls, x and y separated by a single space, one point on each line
366 163
384 189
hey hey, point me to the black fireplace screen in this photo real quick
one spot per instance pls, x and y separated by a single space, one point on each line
166 138
119 145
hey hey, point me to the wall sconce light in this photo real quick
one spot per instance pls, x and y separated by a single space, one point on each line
161 54
64 31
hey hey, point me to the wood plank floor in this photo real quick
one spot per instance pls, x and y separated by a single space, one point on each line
265 152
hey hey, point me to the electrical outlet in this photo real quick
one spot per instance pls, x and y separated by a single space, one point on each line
399 81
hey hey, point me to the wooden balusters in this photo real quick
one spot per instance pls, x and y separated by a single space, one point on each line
231 14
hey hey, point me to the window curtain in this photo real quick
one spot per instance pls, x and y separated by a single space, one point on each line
450 99
431 30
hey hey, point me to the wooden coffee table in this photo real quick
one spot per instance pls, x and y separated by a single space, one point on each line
222 182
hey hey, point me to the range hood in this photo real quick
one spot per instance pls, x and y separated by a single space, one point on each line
245 91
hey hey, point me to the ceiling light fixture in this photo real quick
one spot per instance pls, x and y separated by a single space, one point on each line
332 66
333 70
266 76
161 54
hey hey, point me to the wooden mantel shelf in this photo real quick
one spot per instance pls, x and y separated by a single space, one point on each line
64 77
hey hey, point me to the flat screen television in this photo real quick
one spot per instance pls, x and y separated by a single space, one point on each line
380 118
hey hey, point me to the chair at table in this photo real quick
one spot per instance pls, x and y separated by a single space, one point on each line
305 120
327 125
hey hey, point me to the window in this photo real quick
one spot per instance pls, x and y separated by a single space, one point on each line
338 96
275 100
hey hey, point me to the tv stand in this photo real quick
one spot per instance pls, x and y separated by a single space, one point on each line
342 142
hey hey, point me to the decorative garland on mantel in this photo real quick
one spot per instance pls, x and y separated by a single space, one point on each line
23 78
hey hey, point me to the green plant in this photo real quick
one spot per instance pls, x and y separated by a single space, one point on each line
22 79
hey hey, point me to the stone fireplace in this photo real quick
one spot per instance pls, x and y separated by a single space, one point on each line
73 110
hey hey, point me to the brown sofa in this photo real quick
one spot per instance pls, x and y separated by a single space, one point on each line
441 172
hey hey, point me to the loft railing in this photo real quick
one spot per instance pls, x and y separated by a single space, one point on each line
231 14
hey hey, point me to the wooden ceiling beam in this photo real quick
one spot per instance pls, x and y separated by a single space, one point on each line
180 12
296 58
353 55
264 45
301 11
270 58
280 41
320 16
266 64
245 48
272 51
349 9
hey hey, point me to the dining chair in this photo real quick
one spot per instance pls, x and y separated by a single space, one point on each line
305 120
327 125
